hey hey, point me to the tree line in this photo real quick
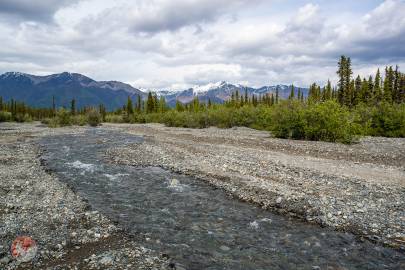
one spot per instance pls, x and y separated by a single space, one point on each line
373 105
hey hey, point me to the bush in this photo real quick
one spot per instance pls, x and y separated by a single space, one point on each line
114 118
288 120
388 120
63 118
5 116
79 120
21 118
94 118
50 122
327 121
330 122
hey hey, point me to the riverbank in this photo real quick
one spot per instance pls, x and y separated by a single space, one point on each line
33 202
356 188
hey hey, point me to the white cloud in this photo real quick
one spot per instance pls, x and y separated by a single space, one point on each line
179 43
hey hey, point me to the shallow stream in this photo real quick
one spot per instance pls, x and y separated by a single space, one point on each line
198 226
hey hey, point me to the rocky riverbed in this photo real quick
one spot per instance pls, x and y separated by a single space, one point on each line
357 188
68 233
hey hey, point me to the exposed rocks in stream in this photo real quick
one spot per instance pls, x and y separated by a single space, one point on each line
358 188
68 233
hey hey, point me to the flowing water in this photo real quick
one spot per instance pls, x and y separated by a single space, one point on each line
198 226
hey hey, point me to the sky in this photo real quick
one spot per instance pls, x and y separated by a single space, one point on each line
176 44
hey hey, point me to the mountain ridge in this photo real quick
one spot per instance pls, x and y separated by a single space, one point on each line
38 90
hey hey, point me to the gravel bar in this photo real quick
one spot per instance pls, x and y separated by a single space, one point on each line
34 203
357 188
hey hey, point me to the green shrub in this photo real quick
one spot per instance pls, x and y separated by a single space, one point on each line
50 122
21 118
5 116
114 118
288 120
79 120
330 122
63 118
327 121
94 118
388 120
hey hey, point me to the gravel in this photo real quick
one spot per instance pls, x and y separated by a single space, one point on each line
357 188
69 235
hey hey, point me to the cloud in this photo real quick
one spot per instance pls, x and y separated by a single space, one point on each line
154 16
32 10
180 43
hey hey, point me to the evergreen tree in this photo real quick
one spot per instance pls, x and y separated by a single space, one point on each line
388 82
129 107
138 104
53 106
369 96
277 95
328 91
364 92
342 79
179 106
357 95
246 96
150 104
73 107
397 86
292 93
377 87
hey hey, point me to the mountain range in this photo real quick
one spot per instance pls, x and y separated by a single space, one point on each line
38 91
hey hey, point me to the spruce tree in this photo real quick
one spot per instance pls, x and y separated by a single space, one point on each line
397 85
357 95
150 103
73 107
129 107
342 79
388 82
328 91
292 93
277 95
369 97
138 104
377 87
53 106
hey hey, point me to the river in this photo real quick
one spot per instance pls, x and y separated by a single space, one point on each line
195 224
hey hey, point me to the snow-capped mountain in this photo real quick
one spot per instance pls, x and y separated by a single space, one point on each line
221 91
39 90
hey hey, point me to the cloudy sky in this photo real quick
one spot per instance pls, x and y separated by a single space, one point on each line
179 43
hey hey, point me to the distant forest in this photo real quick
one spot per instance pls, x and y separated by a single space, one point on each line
355 106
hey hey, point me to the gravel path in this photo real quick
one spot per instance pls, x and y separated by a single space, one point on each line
358 188
68 233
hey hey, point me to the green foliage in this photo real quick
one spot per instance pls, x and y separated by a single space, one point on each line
114 118
328 122
388 120
63 118
50 122
288 120
5 116
79 120
94 118
21 118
